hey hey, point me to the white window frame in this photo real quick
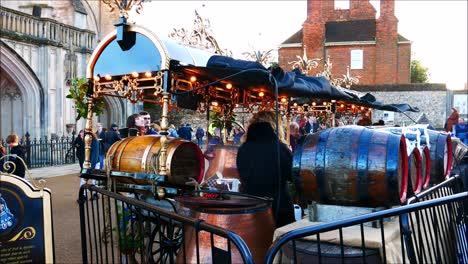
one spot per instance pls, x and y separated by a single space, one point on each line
357 59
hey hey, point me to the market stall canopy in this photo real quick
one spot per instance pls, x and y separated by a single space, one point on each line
149 53
252 76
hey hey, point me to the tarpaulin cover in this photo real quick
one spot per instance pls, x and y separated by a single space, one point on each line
253 75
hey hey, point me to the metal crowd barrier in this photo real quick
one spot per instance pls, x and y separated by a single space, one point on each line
432 228
47 151
119 229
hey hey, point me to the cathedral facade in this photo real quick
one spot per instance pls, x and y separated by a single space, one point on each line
44 45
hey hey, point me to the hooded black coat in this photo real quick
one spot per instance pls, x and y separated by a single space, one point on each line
257 163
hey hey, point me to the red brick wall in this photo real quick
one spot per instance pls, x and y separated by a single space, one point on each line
386 62
404 63
386 44
361 9
314 39
341 58
286 55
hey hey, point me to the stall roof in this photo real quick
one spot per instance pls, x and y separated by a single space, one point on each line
254 76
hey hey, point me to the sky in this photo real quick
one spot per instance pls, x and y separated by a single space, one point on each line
437 29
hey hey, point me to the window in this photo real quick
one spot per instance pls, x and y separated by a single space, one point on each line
36 12
341 4
357 59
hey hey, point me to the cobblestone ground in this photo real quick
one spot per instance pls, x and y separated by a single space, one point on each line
66 218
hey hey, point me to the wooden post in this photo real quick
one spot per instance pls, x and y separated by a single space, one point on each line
164 133
88 138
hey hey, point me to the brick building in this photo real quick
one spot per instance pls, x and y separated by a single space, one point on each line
352 37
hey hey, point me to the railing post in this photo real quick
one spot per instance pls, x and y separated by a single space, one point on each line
28 149
73 146
51 150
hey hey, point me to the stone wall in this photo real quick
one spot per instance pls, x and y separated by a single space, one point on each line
431 99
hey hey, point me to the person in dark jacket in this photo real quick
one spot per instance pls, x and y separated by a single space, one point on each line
80 148
199 135
112 137
260 173
16 151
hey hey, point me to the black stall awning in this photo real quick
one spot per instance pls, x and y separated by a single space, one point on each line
253 76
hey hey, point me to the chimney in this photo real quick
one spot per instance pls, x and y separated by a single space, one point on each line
387 9
314 9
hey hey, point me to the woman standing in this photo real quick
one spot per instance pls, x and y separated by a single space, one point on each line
260 173
80 148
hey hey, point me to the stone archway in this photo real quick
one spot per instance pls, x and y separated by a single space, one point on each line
21 94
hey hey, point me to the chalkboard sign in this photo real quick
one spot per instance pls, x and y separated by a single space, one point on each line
26 234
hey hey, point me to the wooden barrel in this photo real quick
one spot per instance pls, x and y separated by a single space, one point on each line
425 166
415 171
248 216
140 156
441 155
353 165
224 161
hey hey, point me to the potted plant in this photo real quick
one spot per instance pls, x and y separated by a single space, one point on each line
80 93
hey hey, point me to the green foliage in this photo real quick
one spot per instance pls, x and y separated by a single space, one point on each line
221 121
79 93
419 73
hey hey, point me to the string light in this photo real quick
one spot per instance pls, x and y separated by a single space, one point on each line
283 100
135 74
314 103
108 77
261 94
193 79
214 103
148 74
324 103
96 78
228 86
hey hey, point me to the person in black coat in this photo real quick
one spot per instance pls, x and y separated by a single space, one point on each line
111 137
80 148
257 162
16 151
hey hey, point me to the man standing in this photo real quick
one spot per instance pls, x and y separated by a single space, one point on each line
199 135
149 130
112 136
188 132
101 134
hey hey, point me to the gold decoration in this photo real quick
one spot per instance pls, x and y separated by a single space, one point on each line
303 63
263 57
327 72
124 6
347 79
27 233
10 166
200 36
129 87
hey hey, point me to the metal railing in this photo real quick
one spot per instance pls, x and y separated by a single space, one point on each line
119 229
431 229
45 152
